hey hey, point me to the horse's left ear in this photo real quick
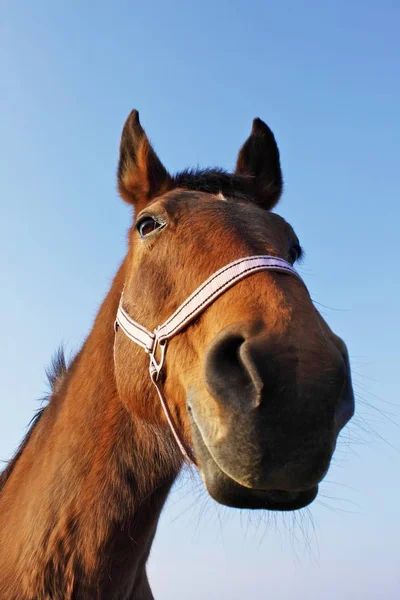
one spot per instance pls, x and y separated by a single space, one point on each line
259 159
141 174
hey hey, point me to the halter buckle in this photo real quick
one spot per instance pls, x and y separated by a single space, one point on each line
155 367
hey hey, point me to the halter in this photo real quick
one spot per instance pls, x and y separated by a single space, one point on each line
155 342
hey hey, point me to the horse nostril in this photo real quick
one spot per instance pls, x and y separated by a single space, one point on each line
228 353
229 372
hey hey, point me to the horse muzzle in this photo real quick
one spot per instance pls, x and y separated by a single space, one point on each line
266 433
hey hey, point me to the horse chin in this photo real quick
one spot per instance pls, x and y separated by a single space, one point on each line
237 496
285 501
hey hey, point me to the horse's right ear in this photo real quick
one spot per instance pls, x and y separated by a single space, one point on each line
141 175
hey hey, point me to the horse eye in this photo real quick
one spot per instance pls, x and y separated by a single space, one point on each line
295 252
148 225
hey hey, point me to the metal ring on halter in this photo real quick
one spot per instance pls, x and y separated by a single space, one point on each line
155 367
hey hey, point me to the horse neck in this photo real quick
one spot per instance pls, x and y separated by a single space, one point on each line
80 507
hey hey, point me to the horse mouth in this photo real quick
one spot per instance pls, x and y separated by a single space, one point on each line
229 492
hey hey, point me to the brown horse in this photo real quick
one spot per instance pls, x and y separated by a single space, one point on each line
257 385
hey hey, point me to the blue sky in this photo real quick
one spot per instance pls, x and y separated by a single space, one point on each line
325 78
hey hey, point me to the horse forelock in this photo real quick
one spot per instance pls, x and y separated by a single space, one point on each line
215 181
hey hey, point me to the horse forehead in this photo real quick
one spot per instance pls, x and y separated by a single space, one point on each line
179 202
182 199
229 215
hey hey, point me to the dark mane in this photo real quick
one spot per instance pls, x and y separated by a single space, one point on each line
214 181
55 374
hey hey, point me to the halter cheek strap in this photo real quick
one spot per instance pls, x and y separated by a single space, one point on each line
155 342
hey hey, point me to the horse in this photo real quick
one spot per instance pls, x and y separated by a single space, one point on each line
207 350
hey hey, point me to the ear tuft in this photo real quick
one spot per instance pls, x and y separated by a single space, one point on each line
141 175
259 159
259 127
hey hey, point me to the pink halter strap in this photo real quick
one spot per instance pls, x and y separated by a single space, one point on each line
198 301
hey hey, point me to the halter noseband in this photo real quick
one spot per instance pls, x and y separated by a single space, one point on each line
201 298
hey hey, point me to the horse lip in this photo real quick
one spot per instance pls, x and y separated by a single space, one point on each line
267 499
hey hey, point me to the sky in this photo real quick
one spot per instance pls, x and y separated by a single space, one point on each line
324 76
